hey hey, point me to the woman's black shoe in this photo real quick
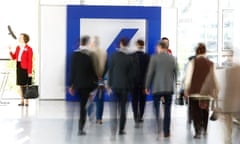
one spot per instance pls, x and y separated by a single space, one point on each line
21 104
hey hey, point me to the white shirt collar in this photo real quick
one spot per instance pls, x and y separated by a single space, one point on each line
202 55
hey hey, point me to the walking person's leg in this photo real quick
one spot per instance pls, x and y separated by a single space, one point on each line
167 115
142 103
156 104
196 115
123 111
205 117
84 94
135 104
100 104
113 112
228 127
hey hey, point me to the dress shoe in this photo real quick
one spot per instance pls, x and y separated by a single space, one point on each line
99 122
166 135
122 132
140 120
197 136
81 133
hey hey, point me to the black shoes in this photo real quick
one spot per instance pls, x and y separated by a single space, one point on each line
167 135
81 133
140 120
121 132
197 136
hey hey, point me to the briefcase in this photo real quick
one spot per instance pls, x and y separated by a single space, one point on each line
31 92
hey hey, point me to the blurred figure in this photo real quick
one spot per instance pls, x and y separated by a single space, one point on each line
182 93
24 57
166 40
230 96
101 69
196 74
83 78
138 94
161 75
119 80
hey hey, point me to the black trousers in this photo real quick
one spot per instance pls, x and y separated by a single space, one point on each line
138 103
84 95
118 105
199 116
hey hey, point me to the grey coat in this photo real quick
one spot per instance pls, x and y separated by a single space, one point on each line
161 73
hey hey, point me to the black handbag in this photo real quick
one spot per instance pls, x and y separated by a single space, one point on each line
31 92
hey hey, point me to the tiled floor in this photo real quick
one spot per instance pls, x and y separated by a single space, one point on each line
56 122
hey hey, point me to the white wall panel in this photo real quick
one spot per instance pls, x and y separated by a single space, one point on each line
169 27
53 52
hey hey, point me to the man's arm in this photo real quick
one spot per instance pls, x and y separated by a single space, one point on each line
72 69
150 72
110 71
188 77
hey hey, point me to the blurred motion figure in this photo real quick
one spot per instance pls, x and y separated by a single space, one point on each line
120 76
162 72
141 61
101 69
83 78
197 73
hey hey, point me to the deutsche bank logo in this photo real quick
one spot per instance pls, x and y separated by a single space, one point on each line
108 23
124 33
110 31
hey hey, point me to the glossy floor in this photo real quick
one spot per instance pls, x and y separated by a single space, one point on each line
56 122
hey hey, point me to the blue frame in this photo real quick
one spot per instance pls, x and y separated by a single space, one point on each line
152 15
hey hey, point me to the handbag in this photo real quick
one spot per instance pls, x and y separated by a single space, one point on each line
31 92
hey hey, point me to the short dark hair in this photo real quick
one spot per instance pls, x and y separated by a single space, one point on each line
162 44
165 38
140 43
85 40
201 49
26 37
124 41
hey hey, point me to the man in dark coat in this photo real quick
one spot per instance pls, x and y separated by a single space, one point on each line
120 77
83 78
141 60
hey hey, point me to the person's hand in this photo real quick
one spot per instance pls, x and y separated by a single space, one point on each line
186 94
109 90
147 91
71 91
10 48
29 75
163 99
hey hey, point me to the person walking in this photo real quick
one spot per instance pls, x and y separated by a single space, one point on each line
24 57
83 78
162 72
141 60
196 74
166 40
101 69
119 81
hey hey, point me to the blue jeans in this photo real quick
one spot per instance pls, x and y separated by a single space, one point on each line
167 111
100 102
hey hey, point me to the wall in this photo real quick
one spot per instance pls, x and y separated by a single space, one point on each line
53 47
53 52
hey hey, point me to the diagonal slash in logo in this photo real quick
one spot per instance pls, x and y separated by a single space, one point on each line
127 33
